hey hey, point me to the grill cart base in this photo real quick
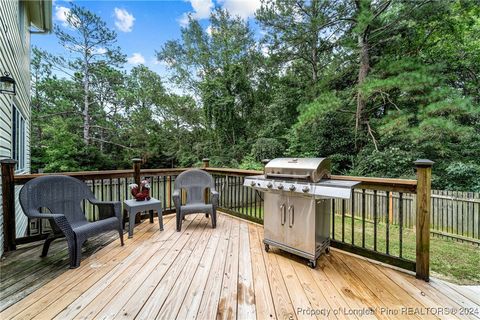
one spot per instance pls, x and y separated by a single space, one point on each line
296 224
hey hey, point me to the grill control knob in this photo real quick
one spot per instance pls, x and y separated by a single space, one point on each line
292 187
252 183
305 189
280 186
269 185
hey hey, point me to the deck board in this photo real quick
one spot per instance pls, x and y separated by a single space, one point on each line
205 273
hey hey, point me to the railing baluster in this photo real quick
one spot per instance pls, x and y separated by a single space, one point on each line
387 218
255 202
333 219
400 222
243 195
363 218
172 182
249 201
94 207
111 190
343 220
353 216
101 190
235 193
125 188
119 197
225 191
375 220
231 185
164 191
29 232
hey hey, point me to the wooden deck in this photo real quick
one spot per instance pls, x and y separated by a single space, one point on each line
223 273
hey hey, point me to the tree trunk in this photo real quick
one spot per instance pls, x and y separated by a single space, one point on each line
86 115
364 67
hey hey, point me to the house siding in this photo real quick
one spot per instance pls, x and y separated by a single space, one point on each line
15 59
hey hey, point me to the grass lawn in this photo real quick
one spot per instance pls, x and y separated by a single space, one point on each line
449 259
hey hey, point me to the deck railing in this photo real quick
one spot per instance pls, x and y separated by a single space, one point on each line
375 228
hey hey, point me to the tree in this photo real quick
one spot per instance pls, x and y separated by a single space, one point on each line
221 68
302 31
92 43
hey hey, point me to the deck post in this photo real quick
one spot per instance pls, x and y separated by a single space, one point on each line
8 204
424 181
137 162
264 162
206 162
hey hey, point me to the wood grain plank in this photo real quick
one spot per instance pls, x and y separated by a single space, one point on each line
211 295
444 300
297 295
227 305
246 308
40 273
281 300
191 302
391 295
43 297
313 293
66 298
175 298
263 296
467 291
156 299
93 300
138 298
425 298
366 298
343 287
334 298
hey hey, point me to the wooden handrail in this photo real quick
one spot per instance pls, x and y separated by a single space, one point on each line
98 175
384 184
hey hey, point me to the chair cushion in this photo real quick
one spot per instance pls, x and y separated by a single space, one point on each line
92 228
197 208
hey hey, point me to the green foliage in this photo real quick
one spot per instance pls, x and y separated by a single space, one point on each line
374 85
464 176
250 163
267 148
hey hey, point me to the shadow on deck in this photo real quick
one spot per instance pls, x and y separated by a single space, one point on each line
207 273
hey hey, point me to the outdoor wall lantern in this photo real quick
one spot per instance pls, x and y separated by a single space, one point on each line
7 84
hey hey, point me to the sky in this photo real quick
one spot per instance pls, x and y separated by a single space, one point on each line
144 26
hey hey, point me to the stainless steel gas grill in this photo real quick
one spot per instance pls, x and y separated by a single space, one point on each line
297 200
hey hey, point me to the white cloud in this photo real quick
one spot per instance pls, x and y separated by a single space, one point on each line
136 58
209 30
265 50
61 14
201 10
243 8
100 50
123 20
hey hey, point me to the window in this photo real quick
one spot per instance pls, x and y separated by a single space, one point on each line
18 140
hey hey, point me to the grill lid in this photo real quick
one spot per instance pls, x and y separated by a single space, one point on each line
309 169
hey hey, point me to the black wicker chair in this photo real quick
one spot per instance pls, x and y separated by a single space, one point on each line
195 182
63 197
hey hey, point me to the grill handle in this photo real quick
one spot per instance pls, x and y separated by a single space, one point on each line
289 176
291 221
283 212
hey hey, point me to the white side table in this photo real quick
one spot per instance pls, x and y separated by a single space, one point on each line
133 207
